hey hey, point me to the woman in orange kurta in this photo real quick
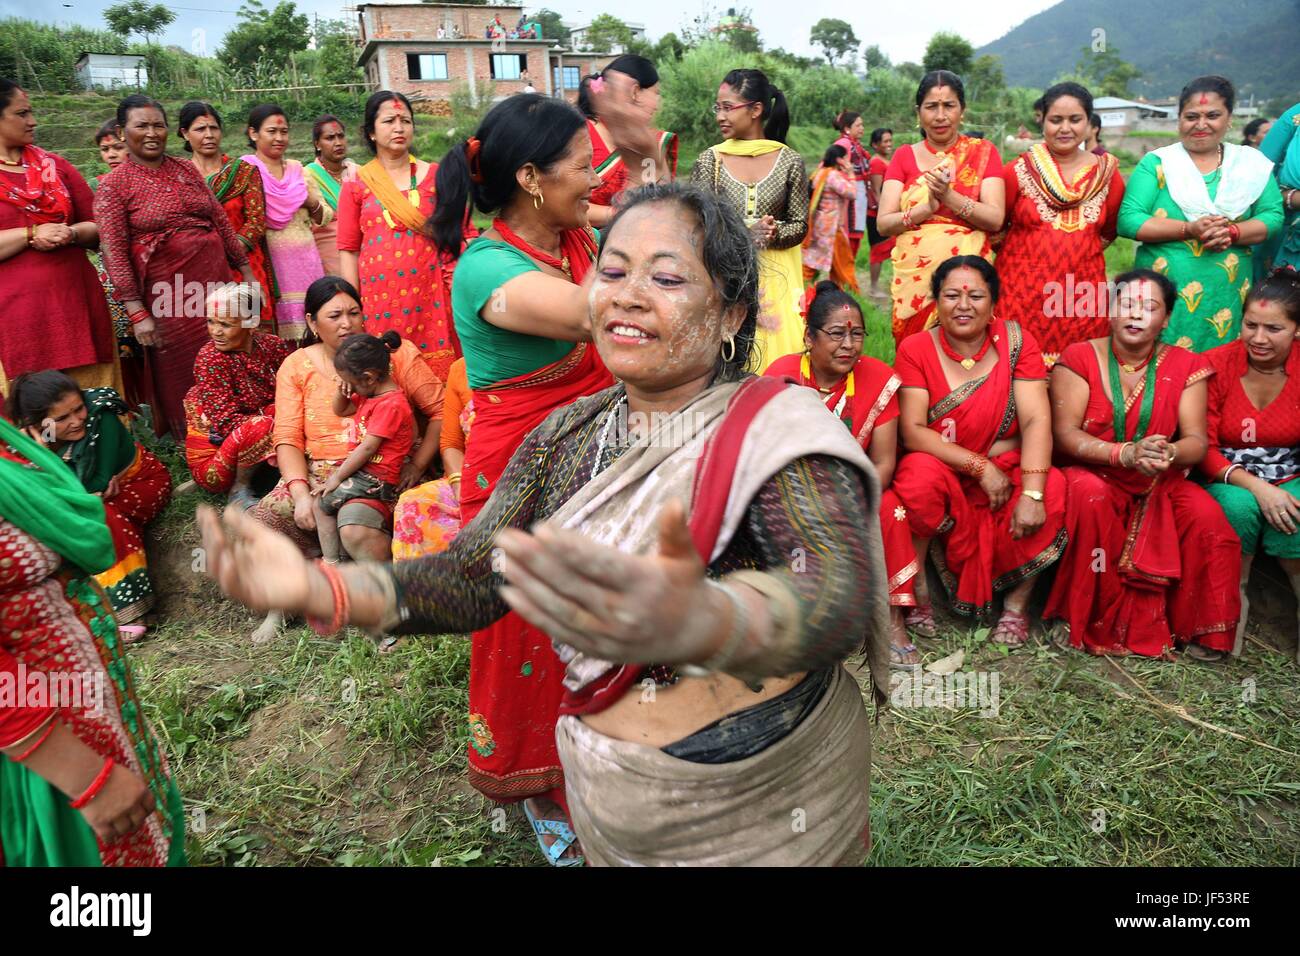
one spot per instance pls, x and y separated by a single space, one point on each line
1062 207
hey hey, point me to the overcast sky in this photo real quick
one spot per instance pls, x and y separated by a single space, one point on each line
901 33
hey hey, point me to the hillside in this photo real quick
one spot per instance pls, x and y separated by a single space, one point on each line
1256 43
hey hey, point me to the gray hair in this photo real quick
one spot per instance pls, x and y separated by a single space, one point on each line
728 253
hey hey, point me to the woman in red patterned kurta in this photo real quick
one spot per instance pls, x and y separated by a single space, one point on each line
405 281
1062 206
167 244
230 410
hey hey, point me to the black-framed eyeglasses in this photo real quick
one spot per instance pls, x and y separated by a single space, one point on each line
857 336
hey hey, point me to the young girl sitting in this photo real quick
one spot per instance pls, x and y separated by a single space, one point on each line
383 435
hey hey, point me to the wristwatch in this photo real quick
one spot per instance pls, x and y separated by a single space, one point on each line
1032 495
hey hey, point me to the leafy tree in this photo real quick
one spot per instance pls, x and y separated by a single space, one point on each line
263 38
608 31
553 27
336 53
874 58
1106 73
985 77
737 29
137 16
668 47
835 37
911 71
948 51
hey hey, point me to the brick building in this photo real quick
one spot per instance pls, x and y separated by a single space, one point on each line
428 50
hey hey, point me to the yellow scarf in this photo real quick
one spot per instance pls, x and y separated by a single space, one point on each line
401 207
748 147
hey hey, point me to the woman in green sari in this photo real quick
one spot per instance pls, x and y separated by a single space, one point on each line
329 171
83 780
85 430
1198 207
1282 146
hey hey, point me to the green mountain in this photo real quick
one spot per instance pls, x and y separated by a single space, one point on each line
1255 43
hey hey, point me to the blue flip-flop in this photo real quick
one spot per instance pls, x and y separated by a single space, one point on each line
565 838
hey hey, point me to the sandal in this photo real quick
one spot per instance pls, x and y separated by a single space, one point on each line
565 838
1206 655
130 633
919 621
898 657
389 643
1012 629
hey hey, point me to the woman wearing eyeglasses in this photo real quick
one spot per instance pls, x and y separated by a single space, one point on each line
765 180
861 392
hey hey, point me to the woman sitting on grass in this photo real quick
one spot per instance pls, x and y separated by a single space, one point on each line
84 429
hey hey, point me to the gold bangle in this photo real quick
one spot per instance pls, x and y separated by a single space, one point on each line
454 476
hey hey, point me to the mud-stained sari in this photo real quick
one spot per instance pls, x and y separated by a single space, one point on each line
981 557
918 252
1152 562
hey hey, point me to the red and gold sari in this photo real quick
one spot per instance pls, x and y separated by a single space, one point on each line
1152 562
515 679
980 556
918 252
238 187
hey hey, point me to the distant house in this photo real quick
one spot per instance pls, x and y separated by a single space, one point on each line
427 50
578 37
109 71
1119 116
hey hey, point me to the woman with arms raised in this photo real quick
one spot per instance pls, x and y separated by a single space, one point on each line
1152 562
977 426
753 712
520 301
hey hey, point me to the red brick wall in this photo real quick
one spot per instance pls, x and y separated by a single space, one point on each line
394 55
421 21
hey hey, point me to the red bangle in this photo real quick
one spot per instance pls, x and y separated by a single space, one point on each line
341 602
289 483
96 785
31 233
49 729
138 316
1234 234
1115 449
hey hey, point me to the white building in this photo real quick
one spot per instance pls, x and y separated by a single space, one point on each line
110 71
578 37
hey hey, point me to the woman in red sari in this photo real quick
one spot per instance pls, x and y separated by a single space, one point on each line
167 244
1152 563
521 312
634 81
976 422
238 187
1062 206
942 197
861 392
403 277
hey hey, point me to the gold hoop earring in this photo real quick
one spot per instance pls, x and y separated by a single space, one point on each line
731 341
538 200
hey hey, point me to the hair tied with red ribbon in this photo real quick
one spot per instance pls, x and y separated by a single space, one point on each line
473 146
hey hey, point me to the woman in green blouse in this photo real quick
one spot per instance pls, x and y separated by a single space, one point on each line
1198 207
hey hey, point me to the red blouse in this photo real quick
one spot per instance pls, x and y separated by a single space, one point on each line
918 366
1230 414
138 207
230 387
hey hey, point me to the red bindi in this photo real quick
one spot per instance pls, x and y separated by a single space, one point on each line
1204 99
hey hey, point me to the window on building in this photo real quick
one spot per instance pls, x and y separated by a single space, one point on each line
507 66
570 80
426 66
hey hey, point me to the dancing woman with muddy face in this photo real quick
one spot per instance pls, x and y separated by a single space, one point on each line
651 581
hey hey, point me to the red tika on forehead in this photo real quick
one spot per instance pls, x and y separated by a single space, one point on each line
1204 99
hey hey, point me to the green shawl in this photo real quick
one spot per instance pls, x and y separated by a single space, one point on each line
49 503
108 447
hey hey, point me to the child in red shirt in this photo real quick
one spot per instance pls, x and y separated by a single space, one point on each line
383 437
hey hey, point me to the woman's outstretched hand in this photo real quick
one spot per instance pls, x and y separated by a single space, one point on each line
253 564
612 605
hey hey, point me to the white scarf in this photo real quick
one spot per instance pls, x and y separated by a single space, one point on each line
1244 175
